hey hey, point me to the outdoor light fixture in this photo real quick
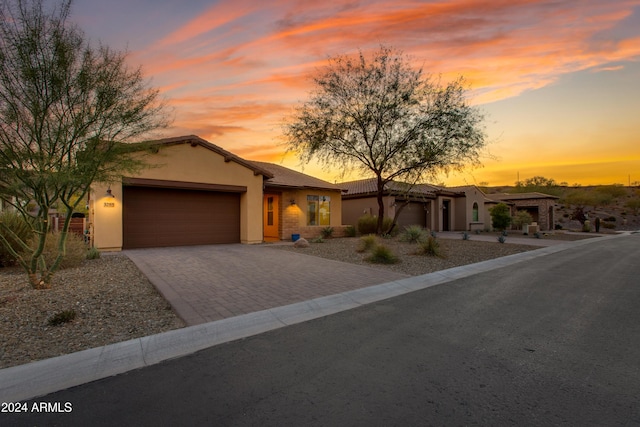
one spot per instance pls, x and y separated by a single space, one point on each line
109 193
292 202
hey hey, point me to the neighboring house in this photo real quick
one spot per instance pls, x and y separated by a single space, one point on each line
472 211
540 206
295 203
196 193
425 205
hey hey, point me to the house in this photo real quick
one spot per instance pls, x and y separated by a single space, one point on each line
295 203
428 206
197 193
463 208
541 206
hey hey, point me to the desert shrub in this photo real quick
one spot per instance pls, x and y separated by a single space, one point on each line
326 232
93 253
65 316
586 226
381 254
465 236
317 240
75 250
18 225
500 216
502 239
368 224
557 227
430 247
610 219
367 243
634 205
413 234
608 225
350 231
521 218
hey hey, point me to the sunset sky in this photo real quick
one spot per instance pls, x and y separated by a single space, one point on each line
558 81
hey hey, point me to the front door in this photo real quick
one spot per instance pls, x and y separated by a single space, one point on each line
446 215
271 206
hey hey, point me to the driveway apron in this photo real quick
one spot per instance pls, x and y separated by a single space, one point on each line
213 282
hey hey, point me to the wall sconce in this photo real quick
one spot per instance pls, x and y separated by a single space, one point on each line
109 193
292 202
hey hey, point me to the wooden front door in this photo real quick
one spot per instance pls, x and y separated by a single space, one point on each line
271 217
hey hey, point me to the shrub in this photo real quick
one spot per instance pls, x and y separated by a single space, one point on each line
367 243
608 225
350 231
93 253
326 232
381 254
75 250
500 216
413 234
465 235
368 224
586 226
502 239
430 247
18 225
521 218
65 316
317 240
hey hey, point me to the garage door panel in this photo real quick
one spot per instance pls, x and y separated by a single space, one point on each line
154 217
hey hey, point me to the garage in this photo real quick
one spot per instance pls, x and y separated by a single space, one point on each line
155 217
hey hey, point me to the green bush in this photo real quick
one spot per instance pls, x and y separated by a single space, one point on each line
430 247
75 248
502 239
381 254
17 224
93 253
368 224
521 218
326 232
350 231
367 243
500 216
413 234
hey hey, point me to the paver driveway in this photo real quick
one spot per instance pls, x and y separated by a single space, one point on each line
213 282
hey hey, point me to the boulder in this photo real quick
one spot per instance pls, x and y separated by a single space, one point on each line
301 243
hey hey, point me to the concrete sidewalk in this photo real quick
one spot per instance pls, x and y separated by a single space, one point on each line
39 378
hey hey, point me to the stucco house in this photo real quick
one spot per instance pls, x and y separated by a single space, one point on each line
197 193
463 208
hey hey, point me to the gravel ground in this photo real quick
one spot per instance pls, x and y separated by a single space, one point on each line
455 253
114 302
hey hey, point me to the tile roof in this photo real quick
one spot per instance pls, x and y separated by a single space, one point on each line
285 177
370 186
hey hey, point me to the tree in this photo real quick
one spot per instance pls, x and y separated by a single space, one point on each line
66 109
500 216
521 218
380 116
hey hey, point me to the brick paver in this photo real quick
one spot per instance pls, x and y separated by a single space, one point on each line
207 283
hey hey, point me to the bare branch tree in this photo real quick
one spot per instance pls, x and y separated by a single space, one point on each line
380 116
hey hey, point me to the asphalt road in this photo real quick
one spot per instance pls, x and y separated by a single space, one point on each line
553 341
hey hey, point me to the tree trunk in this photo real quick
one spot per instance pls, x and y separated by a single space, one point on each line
380 205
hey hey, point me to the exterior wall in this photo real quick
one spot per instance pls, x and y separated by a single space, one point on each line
441 211
545 211
184 163
464 211
293 218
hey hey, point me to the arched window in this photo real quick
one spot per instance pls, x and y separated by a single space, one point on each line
475 212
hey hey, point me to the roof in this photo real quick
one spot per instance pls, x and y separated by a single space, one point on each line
288 178
369 186
521 196
194 140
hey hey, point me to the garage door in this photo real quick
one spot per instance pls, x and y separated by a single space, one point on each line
154 217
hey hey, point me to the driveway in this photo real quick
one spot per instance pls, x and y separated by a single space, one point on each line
207 283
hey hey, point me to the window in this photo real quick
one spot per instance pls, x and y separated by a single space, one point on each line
269 210
318 210
475 212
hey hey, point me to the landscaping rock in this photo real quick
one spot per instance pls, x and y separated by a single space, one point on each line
301 243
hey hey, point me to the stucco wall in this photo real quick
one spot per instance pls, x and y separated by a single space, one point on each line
293 218
185 163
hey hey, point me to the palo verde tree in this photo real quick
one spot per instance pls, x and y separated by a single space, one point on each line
381 116
66 109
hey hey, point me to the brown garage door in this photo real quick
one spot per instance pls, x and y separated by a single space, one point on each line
154 217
